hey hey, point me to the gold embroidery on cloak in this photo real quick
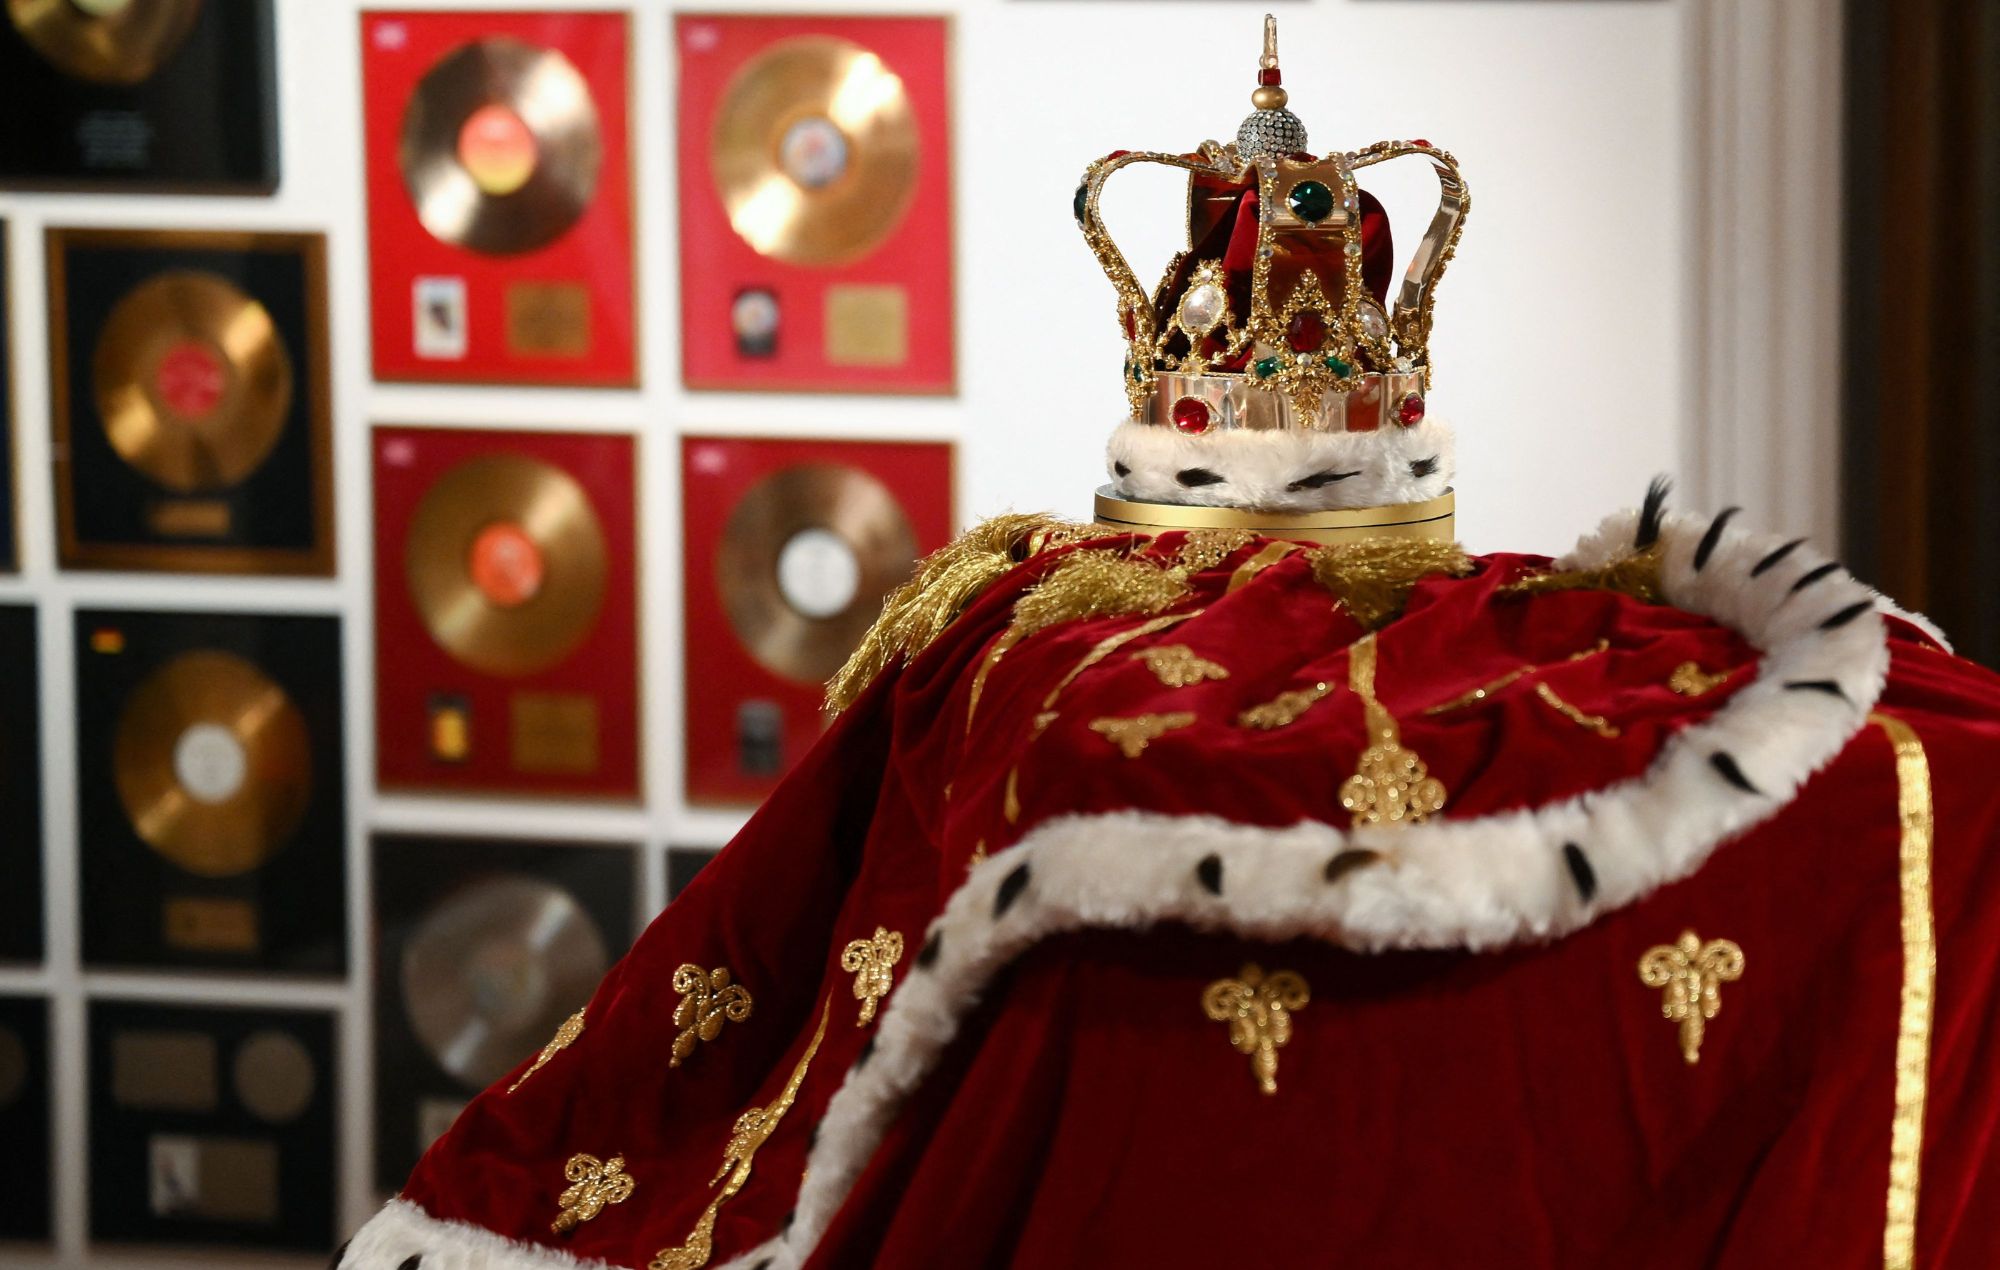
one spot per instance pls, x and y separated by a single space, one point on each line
594 1185
572 1027
1391 784
1690 975
708 999
1258 1010
753 1129
1913 1031
872 962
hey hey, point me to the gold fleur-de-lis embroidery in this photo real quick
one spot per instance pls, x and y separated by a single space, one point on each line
1690 974
594 1184
572 1027
1283 710
1390 785
1690 680
707 999
1135 734
1178 666
872 962
1258 1009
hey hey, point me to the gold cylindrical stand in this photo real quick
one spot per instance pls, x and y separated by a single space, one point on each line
1431 519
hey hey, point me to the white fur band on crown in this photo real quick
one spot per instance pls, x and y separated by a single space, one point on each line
1264 469
1481 883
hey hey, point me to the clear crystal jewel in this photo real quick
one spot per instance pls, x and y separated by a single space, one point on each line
1201 308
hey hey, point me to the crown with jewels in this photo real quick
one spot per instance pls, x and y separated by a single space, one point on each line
1274 316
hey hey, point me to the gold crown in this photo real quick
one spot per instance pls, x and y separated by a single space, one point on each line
1273 317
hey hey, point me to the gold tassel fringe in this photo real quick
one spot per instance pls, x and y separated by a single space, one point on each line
947 580
1372 577
1636 575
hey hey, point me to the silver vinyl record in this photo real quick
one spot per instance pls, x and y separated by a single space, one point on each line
494 968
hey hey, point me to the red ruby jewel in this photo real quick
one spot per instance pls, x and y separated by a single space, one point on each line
1421 142
1269 76
1410 410
1191 414
1127 321
1306 331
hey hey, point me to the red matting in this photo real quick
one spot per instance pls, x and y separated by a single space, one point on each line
718 266
587 271
722 677
416 678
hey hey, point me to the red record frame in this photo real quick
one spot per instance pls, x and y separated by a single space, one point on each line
563 312
882 323
746 725
561 723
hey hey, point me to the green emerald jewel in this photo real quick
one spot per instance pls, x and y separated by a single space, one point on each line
1310 201
1082 201
1339 368
1266 367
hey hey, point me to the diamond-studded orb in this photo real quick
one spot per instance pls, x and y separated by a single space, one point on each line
1202 307
1191 415
1270 133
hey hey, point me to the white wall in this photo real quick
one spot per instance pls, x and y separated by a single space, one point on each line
1561 347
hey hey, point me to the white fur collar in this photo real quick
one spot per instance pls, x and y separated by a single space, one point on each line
1282 470
1482 883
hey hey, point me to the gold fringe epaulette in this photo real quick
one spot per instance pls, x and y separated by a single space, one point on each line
945 582
1372 578
1636 574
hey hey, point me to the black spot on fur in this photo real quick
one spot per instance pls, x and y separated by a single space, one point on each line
765 1264
1811 576
1830 687
1771 561
1119 469
1010 890
1580 871
411 1263
1194 477
812 1139
1320 480
927 955
1725 765
786 1228
1209 872
1846 615
867 1052
1347 862
1712 537
1420 468
1651 513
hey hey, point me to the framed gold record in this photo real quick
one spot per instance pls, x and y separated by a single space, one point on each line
190 381
815 151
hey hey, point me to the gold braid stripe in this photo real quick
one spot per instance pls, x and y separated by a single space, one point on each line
753 1129
1272 553
572 1027
1913 1033
1593 722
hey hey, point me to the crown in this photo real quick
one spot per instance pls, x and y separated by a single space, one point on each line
1274 317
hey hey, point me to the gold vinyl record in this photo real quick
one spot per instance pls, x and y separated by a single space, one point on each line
500 148
506 563
193 384
814 151
806 559
212 763
492 971
104 41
